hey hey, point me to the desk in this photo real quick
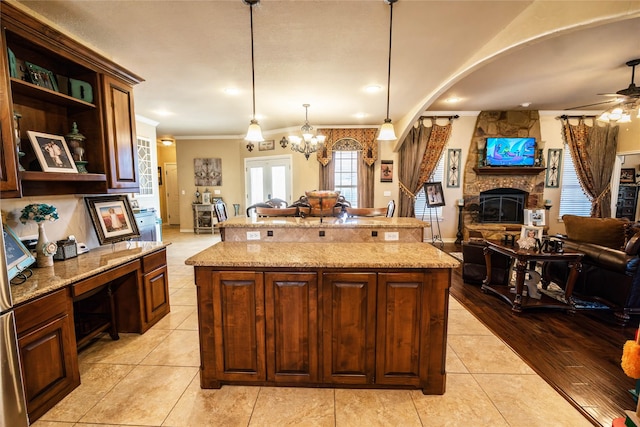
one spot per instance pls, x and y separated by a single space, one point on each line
522 257
121 287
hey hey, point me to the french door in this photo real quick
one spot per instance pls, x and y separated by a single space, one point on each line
267 178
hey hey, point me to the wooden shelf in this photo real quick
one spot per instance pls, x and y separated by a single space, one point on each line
509 170
57 176
31 90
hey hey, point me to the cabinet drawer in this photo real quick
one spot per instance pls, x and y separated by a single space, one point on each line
153 261
95 282
146 220
41 311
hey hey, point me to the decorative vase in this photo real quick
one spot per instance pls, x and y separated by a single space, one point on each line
44 248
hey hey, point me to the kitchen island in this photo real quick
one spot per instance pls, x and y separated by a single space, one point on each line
323 314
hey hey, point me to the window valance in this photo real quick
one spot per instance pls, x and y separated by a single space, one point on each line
366 137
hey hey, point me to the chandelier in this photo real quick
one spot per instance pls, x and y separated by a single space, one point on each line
309 142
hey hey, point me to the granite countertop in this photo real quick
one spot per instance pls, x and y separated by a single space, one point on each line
325 222
63 273
318 255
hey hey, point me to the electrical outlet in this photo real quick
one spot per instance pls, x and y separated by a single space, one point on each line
391 235
387 194
216 191
253 235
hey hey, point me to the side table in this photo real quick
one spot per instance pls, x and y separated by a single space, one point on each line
204 217
522 258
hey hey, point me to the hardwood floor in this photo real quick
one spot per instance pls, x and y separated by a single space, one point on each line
579 355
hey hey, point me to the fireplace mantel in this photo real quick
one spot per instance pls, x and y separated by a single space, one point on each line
509 170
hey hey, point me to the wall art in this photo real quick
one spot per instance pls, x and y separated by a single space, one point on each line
386 170
554 162
453 167
207 172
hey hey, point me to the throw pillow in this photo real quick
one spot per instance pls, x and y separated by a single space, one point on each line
608 232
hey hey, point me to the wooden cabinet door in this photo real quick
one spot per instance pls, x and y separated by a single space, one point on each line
402 319
121 135
291 306
156 296
348 327
47 345
8 148
238 326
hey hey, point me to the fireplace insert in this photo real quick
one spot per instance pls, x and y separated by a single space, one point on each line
502 205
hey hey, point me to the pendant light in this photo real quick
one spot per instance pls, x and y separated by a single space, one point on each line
387 133
254 133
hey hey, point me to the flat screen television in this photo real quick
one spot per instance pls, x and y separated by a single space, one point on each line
511 151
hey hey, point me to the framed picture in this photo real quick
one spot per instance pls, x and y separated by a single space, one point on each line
386 170
266 145
554 161
534 217
18 256
207 172
41 77
434 195
159 175
531 231
628 176
112 218
453 167
52 152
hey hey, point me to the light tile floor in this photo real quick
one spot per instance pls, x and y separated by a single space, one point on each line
152 380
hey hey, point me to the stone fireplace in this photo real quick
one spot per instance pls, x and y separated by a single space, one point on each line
506 191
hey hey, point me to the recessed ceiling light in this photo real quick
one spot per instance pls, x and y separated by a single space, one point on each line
231 90
360 115
163 113
373 88
453 100
525 104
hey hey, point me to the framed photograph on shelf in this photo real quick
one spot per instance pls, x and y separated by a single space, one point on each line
42 77
266 145
52 152
433 194
112 218
535 217
627 176
386 170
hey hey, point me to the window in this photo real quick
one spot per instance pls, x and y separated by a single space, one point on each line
421 209
346 175
572 198
145 166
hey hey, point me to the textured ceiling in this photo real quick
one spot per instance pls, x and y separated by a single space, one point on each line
325 53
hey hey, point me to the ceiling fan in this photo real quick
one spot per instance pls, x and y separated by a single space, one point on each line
629 95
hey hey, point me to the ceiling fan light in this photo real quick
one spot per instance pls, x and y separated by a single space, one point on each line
638 116
604 117
387 132
625 118
254 133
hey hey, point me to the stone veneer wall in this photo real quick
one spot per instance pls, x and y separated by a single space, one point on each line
508 124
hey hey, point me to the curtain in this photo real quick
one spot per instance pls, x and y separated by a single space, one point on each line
365 183
593 150
418 158
327 176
